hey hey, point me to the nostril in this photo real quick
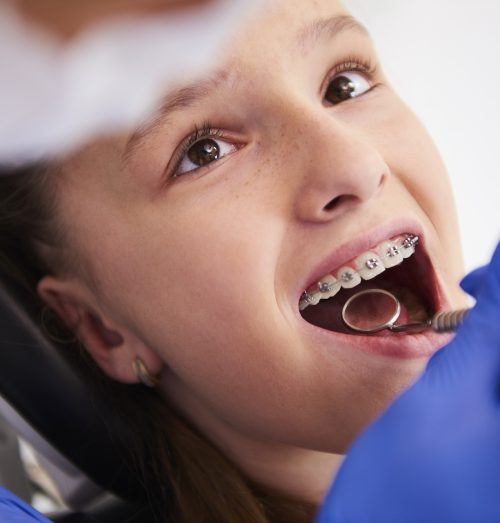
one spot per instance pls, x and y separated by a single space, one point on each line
333 203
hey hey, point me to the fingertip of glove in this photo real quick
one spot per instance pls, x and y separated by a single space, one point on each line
473 281
495 260
494 270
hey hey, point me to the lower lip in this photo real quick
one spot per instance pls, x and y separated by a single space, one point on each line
394 345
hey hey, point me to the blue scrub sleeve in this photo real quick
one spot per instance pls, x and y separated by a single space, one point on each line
13 510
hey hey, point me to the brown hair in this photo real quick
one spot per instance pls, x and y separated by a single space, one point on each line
186 478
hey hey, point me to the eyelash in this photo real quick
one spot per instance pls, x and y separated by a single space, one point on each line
354 64
207 130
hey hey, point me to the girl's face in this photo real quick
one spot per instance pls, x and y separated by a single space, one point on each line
201 231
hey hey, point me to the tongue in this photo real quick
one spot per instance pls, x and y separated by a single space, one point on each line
413 307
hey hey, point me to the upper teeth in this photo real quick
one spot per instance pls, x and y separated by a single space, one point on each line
366 266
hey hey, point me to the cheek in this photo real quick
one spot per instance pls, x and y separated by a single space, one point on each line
409 152
191 276
417 165
415 161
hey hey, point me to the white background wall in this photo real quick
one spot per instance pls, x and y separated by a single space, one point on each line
443 57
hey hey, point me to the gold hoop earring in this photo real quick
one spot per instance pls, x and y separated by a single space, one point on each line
143 375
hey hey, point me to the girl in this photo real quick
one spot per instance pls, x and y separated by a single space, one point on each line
208 252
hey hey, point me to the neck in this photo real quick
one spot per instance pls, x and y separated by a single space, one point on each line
301 473
296 471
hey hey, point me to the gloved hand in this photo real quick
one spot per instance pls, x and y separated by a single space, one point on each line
434 455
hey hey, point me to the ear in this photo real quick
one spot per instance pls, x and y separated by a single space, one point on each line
112 346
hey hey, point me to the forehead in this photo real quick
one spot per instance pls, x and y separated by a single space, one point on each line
296 22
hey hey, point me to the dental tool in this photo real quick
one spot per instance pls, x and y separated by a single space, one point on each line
374 310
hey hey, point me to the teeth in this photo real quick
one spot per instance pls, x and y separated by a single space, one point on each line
407 244
314 299
390 253
348 277
368 265
329 287
309 299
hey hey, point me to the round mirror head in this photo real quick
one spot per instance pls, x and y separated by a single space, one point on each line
371 310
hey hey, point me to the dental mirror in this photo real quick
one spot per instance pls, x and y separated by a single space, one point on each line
373 310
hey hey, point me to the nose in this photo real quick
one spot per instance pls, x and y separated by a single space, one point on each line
341 169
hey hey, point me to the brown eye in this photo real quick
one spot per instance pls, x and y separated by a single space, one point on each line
204 152
346 86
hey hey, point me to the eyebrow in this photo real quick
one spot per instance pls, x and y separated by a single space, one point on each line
178 99
328 28
187 96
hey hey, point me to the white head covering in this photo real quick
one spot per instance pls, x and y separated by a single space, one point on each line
53 97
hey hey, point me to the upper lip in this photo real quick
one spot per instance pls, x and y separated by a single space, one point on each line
362 242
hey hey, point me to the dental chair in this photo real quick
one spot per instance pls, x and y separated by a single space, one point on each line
46 401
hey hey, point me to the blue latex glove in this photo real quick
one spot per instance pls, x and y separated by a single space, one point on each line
13 510
434 455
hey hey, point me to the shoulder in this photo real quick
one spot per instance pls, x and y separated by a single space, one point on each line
13 510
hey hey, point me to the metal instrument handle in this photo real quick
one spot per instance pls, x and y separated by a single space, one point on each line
446 321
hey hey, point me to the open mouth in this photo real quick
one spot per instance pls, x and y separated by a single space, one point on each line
399 266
